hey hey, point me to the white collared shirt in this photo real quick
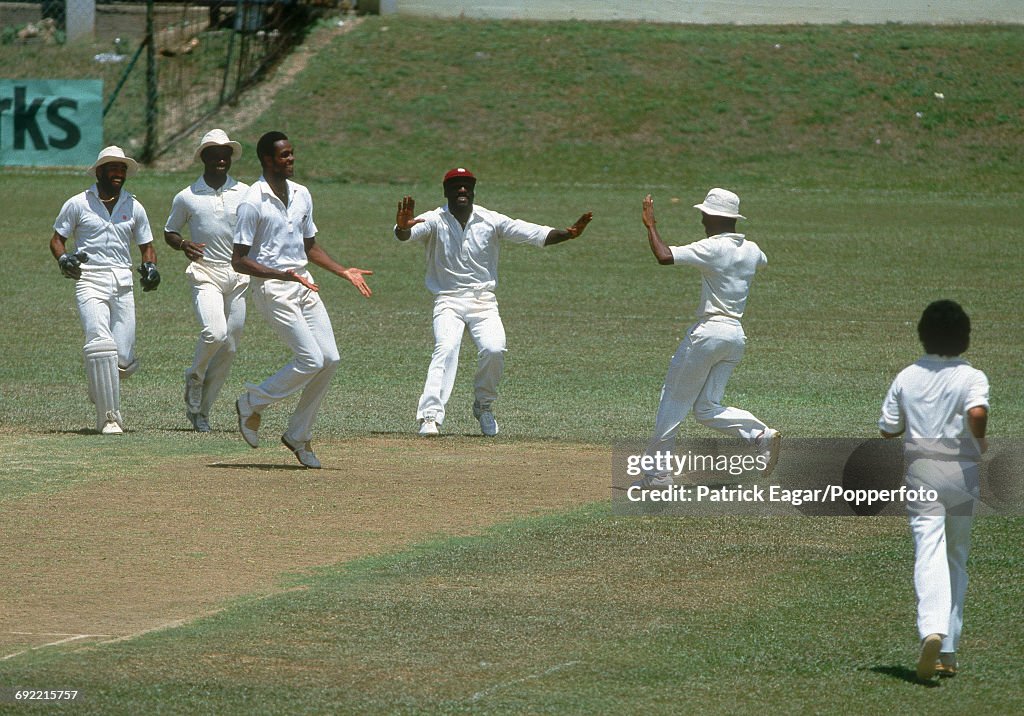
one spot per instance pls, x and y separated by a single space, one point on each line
275 232
210 215
106 237
465 260
928 402
727 263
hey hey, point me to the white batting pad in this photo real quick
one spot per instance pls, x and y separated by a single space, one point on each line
104 384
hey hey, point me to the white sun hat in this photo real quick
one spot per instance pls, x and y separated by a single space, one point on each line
721 202
218 138
112 154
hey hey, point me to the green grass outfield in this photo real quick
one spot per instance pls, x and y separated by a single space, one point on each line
582 612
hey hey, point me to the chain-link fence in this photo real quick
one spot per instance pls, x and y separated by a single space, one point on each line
166 66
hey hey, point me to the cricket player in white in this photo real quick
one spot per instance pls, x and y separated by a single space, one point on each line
462 272
940 404
275 238
714 345
103 222
209 209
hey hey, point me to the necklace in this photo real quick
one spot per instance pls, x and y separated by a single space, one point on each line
107 201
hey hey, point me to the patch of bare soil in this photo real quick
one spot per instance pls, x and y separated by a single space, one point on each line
110 559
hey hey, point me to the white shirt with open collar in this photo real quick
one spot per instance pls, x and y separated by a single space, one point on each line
463 260
276 232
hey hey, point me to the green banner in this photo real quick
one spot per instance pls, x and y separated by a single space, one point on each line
50 123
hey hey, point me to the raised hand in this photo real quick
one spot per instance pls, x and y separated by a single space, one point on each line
581 223
404 219
648 212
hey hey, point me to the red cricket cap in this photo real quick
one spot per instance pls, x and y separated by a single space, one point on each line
459 173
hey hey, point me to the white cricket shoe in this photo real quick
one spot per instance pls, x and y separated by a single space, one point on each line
113 424
248 421
428 428
111 428
302 451
768 444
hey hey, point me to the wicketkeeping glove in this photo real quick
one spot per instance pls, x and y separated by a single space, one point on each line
150 276
71 265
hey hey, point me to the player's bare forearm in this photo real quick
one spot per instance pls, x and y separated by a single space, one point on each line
659 248
354 275
977 421
243 263
557 236
321 258
177 242
58 245
148 253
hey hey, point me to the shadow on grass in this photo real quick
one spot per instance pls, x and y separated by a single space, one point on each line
413 435
904 674
260 466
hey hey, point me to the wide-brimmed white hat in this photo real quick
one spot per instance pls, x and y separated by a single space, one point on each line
109 155
721 202
218 138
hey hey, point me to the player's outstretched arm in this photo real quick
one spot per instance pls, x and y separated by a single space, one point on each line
354 275
658 247
405 218
557 236
242 262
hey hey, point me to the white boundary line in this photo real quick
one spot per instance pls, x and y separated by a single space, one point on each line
539 675
53 633
159 627
110 639
70 638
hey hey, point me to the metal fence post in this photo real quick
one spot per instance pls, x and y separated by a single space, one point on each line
149 149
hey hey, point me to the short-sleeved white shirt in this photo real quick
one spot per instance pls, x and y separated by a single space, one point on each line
929 400
727 263
106 237
210 215
275 232
464 260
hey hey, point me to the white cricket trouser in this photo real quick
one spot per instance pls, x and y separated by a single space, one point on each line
299 318
477 311
942 541
696 380
106 307
218 296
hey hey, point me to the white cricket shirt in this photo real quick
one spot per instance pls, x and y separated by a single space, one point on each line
106 237
727 263
465 260
929 400
276 233
210 215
